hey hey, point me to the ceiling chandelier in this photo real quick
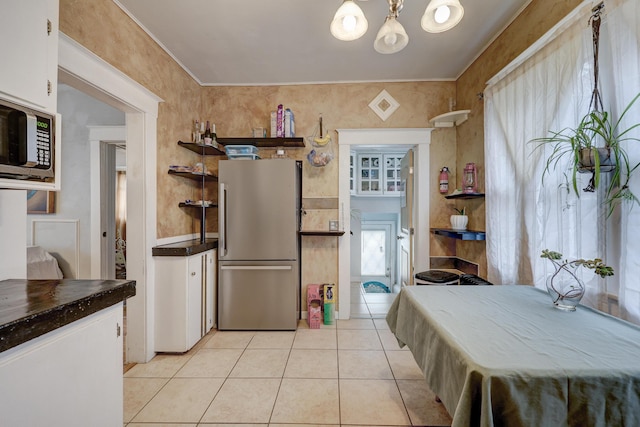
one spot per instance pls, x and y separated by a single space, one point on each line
349 23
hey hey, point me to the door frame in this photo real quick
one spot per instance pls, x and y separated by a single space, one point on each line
82 69
98 136
417 138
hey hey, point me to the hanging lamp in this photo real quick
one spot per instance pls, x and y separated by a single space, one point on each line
349 22
441 15
391 37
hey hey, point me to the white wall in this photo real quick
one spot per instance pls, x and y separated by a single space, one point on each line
78 111
13 254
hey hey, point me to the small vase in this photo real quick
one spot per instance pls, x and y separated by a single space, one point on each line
459 222
565 288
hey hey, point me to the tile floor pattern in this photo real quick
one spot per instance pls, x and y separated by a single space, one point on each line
369 305
347 374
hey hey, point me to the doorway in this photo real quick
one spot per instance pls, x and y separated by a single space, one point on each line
399 139
84 71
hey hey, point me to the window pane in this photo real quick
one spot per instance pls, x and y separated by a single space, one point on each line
373 256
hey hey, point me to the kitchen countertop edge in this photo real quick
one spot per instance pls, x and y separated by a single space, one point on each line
185 248
56 315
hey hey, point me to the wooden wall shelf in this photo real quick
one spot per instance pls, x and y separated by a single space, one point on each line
460 234
465 196
297 142
193 205
194 176
321 233
206 150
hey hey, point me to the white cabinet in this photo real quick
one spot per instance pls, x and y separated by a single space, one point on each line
71 376
352 173
370 174
185 300
378 174
392 179
30 53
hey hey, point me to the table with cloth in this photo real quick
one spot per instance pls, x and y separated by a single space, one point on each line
505 356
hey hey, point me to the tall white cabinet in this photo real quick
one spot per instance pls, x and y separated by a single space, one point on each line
29 73
185 300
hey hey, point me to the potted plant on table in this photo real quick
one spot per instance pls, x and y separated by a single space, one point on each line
564 287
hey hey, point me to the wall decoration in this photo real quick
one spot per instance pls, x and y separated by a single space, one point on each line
41 202
384 105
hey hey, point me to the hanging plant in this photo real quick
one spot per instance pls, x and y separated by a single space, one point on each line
595 144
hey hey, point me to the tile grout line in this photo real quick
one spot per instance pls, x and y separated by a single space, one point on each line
225 378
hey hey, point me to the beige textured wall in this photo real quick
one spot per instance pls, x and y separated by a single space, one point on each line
103 28
530 25
236 110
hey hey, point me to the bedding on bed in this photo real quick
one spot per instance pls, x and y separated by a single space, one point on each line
41 264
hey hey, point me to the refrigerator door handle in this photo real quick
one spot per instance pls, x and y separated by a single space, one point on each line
223 220
255 267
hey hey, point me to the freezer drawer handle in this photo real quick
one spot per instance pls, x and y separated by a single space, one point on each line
255 267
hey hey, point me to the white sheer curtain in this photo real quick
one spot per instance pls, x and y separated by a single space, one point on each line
621 33
551 90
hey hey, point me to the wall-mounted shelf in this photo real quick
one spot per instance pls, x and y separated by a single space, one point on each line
321 233
460 234
194 205
194 176
297 142
450 119
465 196
207 150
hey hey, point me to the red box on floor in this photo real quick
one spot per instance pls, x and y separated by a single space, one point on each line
314 306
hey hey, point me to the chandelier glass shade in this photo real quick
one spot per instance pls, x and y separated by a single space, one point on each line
349 23
391 37
442 15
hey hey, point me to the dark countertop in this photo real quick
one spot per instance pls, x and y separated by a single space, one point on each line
30 308
186 248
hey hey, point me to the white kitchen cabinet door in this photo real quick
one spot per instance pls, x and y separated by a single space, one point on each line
30 53
370 174
184 304
193 307
392 179
210 294
71 376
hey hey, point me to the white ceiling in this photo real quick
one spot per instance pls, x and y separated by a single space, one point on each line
275 42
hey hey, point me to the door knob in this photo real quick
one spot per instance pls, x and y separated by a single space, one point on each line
399 237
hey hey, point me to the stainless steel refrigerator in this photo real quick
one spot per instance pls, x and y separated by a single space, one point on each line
259 208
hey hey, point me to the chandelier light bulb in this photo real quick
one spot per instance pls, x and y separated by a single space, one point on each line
442 14
349 22
391 37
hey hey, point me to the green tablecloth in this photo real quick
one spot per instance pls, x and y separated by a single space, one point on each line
504 356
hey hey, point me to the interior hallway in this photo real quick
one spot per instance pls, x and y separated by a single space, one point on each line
349 373
369 305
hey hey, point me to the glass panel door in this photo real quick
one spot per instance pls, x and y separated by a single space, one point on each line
376 255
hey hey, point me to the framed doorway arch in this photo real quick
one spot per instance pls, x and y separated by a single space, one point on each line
417 138
83 70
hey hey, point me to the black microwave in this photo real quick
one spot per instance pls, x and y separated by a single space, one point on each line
26 143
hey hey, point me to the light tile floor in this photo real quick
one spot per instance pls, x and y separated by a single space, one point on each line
369 305
349 373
